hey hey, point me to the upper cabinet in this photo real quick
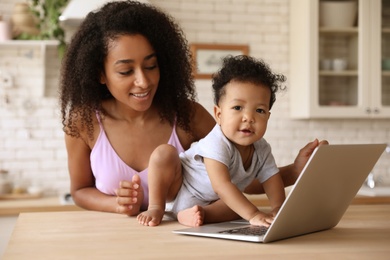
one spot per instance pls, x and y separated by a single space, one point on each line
340 59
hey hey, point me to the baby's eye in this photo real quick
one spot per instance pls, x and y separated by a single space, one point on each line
261 111
237 108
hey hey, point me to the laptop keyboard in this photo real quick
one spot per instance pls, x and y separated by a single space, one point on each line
249 231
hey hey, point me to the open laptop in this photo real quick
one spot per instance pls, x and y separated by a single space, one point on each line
330 180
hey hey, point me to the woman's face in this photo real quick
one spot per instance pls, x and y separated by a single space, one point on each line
131 71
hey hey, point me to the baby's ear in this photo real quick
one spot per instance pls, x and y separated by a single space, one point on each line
217 114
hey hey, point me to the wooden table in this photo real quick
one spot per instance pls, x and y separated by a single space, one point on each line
13 207
363 233
262 200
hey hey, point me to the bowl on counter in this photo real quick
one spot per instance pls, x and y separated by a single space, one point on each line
377 191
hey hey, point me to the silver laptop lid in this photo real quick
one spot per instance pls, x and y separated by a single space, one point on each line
318 200
328 183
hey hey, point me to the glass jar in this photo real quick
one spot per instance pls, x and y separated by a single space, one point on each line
5 183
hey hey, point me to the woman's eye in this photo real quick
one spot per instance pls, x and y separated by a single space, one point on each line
125 73
151 67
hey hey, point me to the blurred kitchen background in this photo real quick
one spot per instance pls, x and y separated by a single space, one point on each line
32 148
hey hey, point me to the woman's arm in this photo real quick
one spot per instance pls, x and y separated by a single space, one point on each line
83 190
289 173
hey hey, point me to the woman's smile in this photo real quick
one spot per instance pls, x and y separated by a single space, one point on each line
140 95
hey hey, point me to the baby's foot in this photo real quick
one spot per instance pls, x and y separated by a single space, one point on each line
192 217
152 217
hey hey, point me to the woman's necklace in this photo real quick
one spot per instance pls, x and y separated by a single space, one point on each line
248 160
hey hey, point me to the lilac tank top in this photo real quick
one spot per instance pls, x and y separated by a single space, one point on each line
109 169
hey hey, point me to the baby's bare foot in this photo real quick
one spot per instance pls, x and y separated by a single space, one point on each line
152 217
192 217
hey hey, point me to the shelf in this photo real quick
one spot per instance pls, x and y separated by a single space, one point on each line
28 43
346 30
338 73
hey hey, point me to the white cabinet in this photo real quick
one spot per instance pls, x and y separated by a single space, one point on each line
362 89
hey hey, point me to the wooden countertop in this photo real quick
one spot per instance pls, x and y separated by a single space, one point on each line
9 207
363 233
262 201
16 206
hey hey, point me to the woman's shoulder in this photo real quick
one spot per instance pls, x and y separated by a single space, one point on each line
201 124
84 126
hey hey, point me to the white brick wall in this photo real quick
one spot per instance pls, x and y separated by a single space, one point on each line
263 25
31 139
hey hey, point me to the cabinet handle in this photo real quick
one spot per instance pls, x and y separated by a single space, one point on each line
375 110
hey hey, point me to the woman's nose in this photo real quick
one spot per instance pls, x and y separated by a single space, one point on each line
140 79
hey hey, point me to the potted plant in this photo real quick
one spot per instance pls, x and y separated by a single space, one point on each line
47 13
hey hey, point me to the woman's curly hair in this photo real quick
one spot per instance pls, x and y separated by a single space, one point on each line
81 93
244 68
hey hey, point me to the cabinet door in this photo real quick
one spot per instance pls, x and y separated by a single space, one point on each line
380 54
335 69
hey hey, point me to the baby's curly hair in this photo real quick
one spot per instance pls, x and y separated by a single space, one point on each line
243 68
81 93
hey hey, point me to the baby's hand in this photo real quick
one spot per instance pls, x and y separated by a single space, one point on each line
130 196
262 219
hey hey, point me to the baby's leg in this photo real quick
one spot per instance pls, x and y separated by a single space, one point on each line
192 217
164 180
218 211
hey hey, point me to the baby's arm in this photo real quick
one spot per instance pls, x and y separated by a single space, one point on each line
274 189
232 196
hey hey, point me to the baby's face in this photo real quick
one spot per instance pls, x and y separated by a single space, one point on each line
243 112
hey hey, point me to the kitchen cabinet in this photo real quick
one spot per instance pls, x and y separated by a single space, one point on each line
362 88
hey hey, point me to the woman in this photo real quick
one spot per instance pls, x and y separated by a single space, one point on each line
126 88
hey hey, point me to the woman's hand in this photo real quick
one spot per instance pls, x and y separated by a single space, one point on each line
130 196
289 173
304 155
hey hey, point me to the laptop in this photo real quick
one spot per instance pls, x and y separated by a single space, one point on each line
322 193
